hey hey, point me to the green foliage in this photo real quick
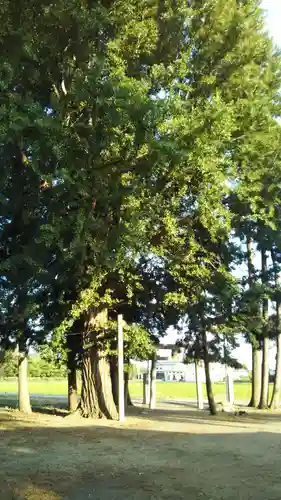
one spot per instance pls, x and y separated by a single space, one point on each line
38 366
136 140
9 365
137 343
44 368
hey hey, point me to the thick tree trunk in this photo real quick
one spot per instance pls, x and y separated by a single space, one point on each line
71 375
263 404
114 382
114 378
103 386
96 395
210 395
275 399
89 405
256 377
23 393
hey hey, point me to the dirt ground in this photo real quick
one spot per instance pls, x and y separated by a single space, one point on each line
170 453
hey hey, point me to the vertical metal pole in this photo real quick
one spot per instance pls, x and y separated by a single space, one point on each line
148 381
152 399
198 376
121 402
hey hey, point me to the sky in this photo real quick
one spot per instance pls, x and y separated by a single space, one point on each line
272 11
273 19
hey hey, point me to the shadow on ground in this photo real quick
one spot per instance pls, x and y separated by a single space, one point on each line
48 406
190 415
164 454
168 411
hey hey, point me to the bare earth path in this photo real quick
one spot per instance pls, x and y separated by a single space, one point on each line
170 453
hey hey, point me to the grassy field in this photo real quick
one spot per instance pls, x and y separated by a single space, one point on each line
170 453
165 390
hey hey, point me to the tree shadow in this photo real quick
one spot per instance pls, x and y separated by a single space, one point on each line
191 415
109 460
48 406
168 411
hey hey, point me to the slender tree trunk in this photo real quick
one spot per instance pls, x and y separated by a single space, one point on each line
256 350
71 375
96 395
265 375
275 399
265 347
210 395
23 393
127 396
199 392
256 376
251 402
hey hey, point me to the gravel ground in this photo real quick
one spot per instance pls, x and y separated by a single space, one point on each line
169 453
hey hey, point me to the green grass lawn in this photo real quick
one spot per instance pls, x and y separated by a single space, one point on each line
165 390
187 390
54 387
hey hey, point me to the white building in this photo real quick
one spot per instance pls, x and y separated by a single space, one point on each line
170 367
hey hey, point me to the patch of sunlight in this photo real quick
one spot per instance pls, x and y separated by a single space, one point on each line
32 492
22 450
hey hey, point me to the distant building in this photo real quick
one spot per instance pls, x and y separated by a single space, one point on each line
177 371
169 370
170 367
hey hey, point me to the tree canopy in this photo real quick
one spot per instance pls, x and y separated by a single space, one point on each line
140 166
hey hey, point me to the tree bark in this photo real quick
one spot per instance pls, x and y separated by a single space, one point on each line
114 378
89 405
198 378
275 399
265 375
103 386
256 376
127 396
210 395
96 395
23 393
114 382
256 350
71 375
263 404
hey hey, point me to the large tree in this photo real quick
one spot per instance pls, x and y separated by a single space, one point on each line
135 121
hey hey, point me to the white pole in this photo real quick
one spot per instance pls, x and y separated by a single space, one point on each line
148 381
121 402
198 375
152 399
